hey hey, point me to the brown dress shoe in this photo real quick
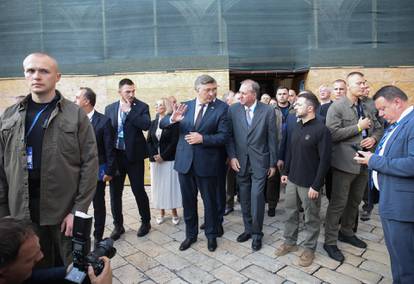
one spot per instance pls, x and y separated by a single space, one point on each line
285 249
306 258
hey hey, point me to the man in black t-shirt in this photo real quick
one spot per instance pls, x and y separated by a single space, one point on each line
304 172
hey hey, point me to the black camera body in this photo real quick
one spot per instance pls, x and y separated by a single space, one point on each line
103 248
82 256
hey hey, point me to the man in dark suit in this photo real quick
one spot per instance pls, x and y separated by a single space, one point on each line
252 150
104 133
203 132
392 173
129 117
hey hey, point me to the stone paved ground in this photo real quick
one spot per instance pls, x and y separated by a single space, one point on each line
155 258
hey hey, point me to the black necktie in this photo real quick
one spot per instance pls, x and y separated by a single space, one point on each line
199 117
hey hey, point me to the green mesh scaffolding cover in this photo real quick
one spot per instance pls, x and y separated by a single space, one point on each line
111 36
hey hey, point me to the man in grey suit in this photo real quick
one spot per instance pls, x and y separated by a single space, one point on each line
353 124
252 151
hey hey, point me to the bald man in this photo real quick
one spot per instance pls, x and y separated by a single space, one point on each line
48 160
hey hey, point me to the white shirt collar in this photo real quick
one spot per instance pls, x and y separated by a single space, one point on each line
252 107
90 114
198 103
405 113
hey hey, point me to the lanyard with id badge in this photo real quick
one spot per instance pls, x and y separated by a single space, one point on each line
29 149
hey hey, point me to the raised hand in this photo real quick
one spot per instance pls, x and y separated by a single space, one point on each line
178 113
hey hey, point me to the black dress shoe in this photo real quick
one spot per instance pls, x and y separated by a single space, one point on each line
353 240
187 243
243 237
334 252
271 212
203 226
220 231
256 244
228 211
117 232
212 244
144 229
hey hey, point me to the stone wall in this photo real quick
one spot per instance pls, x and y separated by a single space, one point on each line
154 85
150 86
402 77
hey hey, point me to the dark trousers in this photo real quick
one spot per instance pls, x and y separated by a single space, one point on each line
56 247
99 210
399 239
347 192
135 173
272 190
328 184
252 201
221 193
190 183
231 187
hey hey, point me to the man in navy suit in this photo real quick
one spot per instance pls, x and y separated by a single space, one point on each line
104 133
129 117
203 132
392 173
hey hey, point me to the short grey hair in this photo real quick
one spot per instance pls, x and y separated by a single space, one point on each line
203 80
255 86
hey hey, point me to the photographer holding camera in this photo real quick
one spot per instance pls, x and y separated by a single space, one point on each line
20 251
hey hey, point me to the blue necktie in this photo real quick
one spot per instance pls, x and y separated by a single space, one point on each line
248 117
121 135
385 137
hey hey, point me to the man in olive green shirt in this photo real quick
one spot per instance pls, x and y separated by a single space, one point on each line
353 124
48 159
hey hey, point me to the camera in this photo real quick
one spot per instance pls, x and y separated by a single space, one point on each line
82 257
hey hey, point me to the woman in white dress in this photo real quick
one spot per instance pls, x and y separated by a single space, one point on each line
162 144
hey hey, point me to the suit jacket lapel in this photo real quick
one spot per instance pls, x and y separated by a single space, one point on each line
190 113
243 119
95 120
114 115
400 127
209 111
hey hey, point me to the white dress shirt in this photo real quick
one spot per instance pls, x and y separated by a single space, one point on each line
197 109
251 109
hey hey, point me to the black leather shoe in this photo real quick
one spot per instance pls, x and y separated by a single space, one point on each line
243 237
271 212
187 243
212 244
220 231
334 252
353 240
256 245
144 229
203 226
228 211
117 232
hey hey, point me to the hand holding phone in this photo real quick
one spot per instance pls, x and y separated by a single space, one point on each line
357 148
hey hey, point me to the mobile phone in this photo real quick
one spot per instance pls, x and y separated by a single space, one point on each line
357 148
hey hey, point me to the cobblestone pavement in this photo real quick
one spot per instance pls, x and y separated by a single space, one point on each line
155 258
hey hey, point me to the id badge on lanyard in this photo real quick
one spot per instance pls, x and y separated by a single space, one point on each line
29 149
29 154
